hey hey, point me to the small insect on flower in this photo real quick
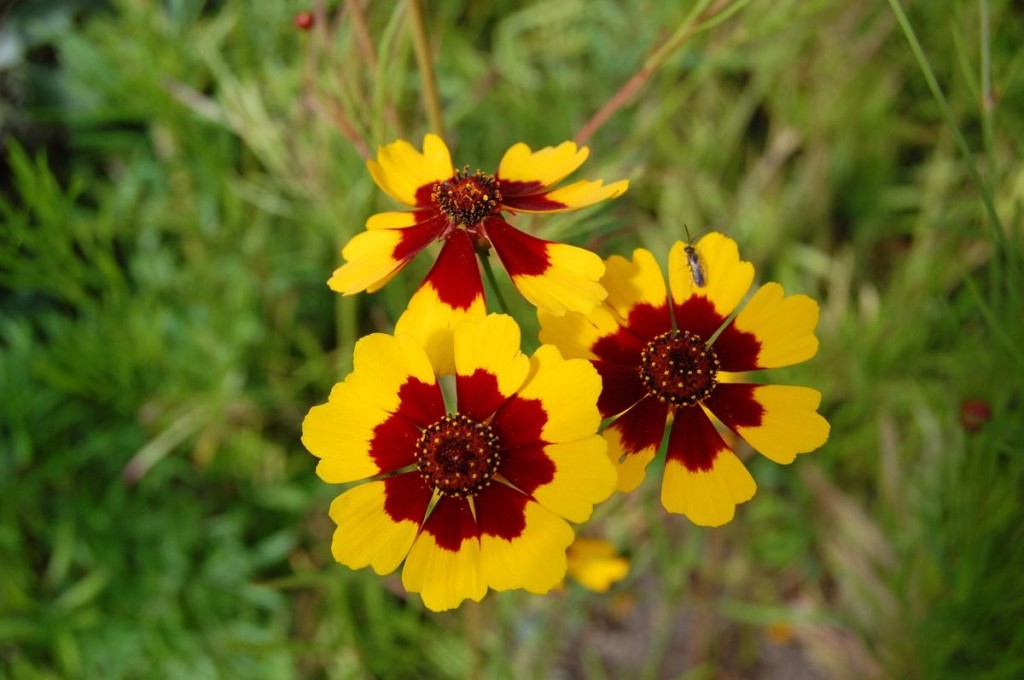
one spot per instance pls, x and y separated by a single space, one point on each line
696 270
674 357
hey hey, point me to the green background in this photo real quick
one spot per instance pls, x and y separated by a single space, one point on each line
178 178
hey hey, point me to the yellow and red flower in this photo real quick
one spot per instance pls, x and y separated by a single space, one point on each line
472 498
594 564
464 211
670 355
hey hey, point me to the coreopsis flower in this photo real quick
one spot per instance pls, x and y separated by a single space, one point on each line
671 356
471 496
594 564
464 211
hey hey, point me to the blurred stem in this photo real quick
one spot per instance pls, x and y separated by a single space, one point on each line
988 102
185 425
947 114
321 103
347 325
426 67
705 14
472 620
485 262
361 32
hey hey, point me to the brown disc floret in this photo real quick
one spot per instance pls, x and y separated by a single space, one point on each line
466 199
678 368
457 455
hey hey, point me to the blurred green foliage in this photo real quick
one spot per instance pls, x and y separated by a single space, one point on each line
178 179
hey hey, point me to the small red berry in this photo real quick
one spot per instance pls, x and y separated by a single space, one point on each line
304 21
974 413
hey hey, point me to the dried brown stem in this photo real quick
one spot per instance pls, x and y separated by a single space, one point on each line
341 122
361 32
655 61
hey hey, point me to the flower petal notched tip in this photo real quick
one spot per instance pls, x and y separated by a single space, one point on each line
523 543
406 174
778 421
708 498
555 277
704 479
771 331
524 171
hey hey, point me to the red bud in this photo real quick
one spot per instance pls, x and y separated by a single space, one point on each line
974 413
304 21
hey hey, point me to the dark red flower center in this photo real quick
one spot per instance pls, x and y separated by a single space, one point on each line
677 367
457 455
467 199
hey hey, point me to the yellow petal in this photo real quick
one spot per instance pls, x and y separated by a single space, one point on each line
630 283
572 197
545 167
369 262
726 278
594 563
442 573
784 327
393 220
522 545
575 334
789 423
567 390
383 363
400 170
707 497
583 478
366 534
492 345
570 283
631 467
431 323
634 439
341 431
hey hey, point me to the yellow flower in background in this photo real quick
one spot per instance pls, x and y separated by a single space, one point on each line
474 496
594 563
660 359
463 211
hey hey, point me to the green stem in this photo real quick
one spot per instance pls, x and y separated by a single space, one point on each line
426 67
947 114
987 97
485 261
703 16
676 40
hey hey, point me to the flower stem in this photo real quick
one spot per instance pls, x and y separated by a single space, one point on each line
485 261
422 46
704 15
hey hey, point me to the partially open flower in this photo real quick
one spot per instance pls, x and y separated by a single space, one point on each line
673 357
594 564
472 496
464 211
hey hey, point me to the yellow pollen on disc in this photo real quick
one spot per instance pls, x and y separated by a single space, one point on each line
457 455
466 199
686 367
